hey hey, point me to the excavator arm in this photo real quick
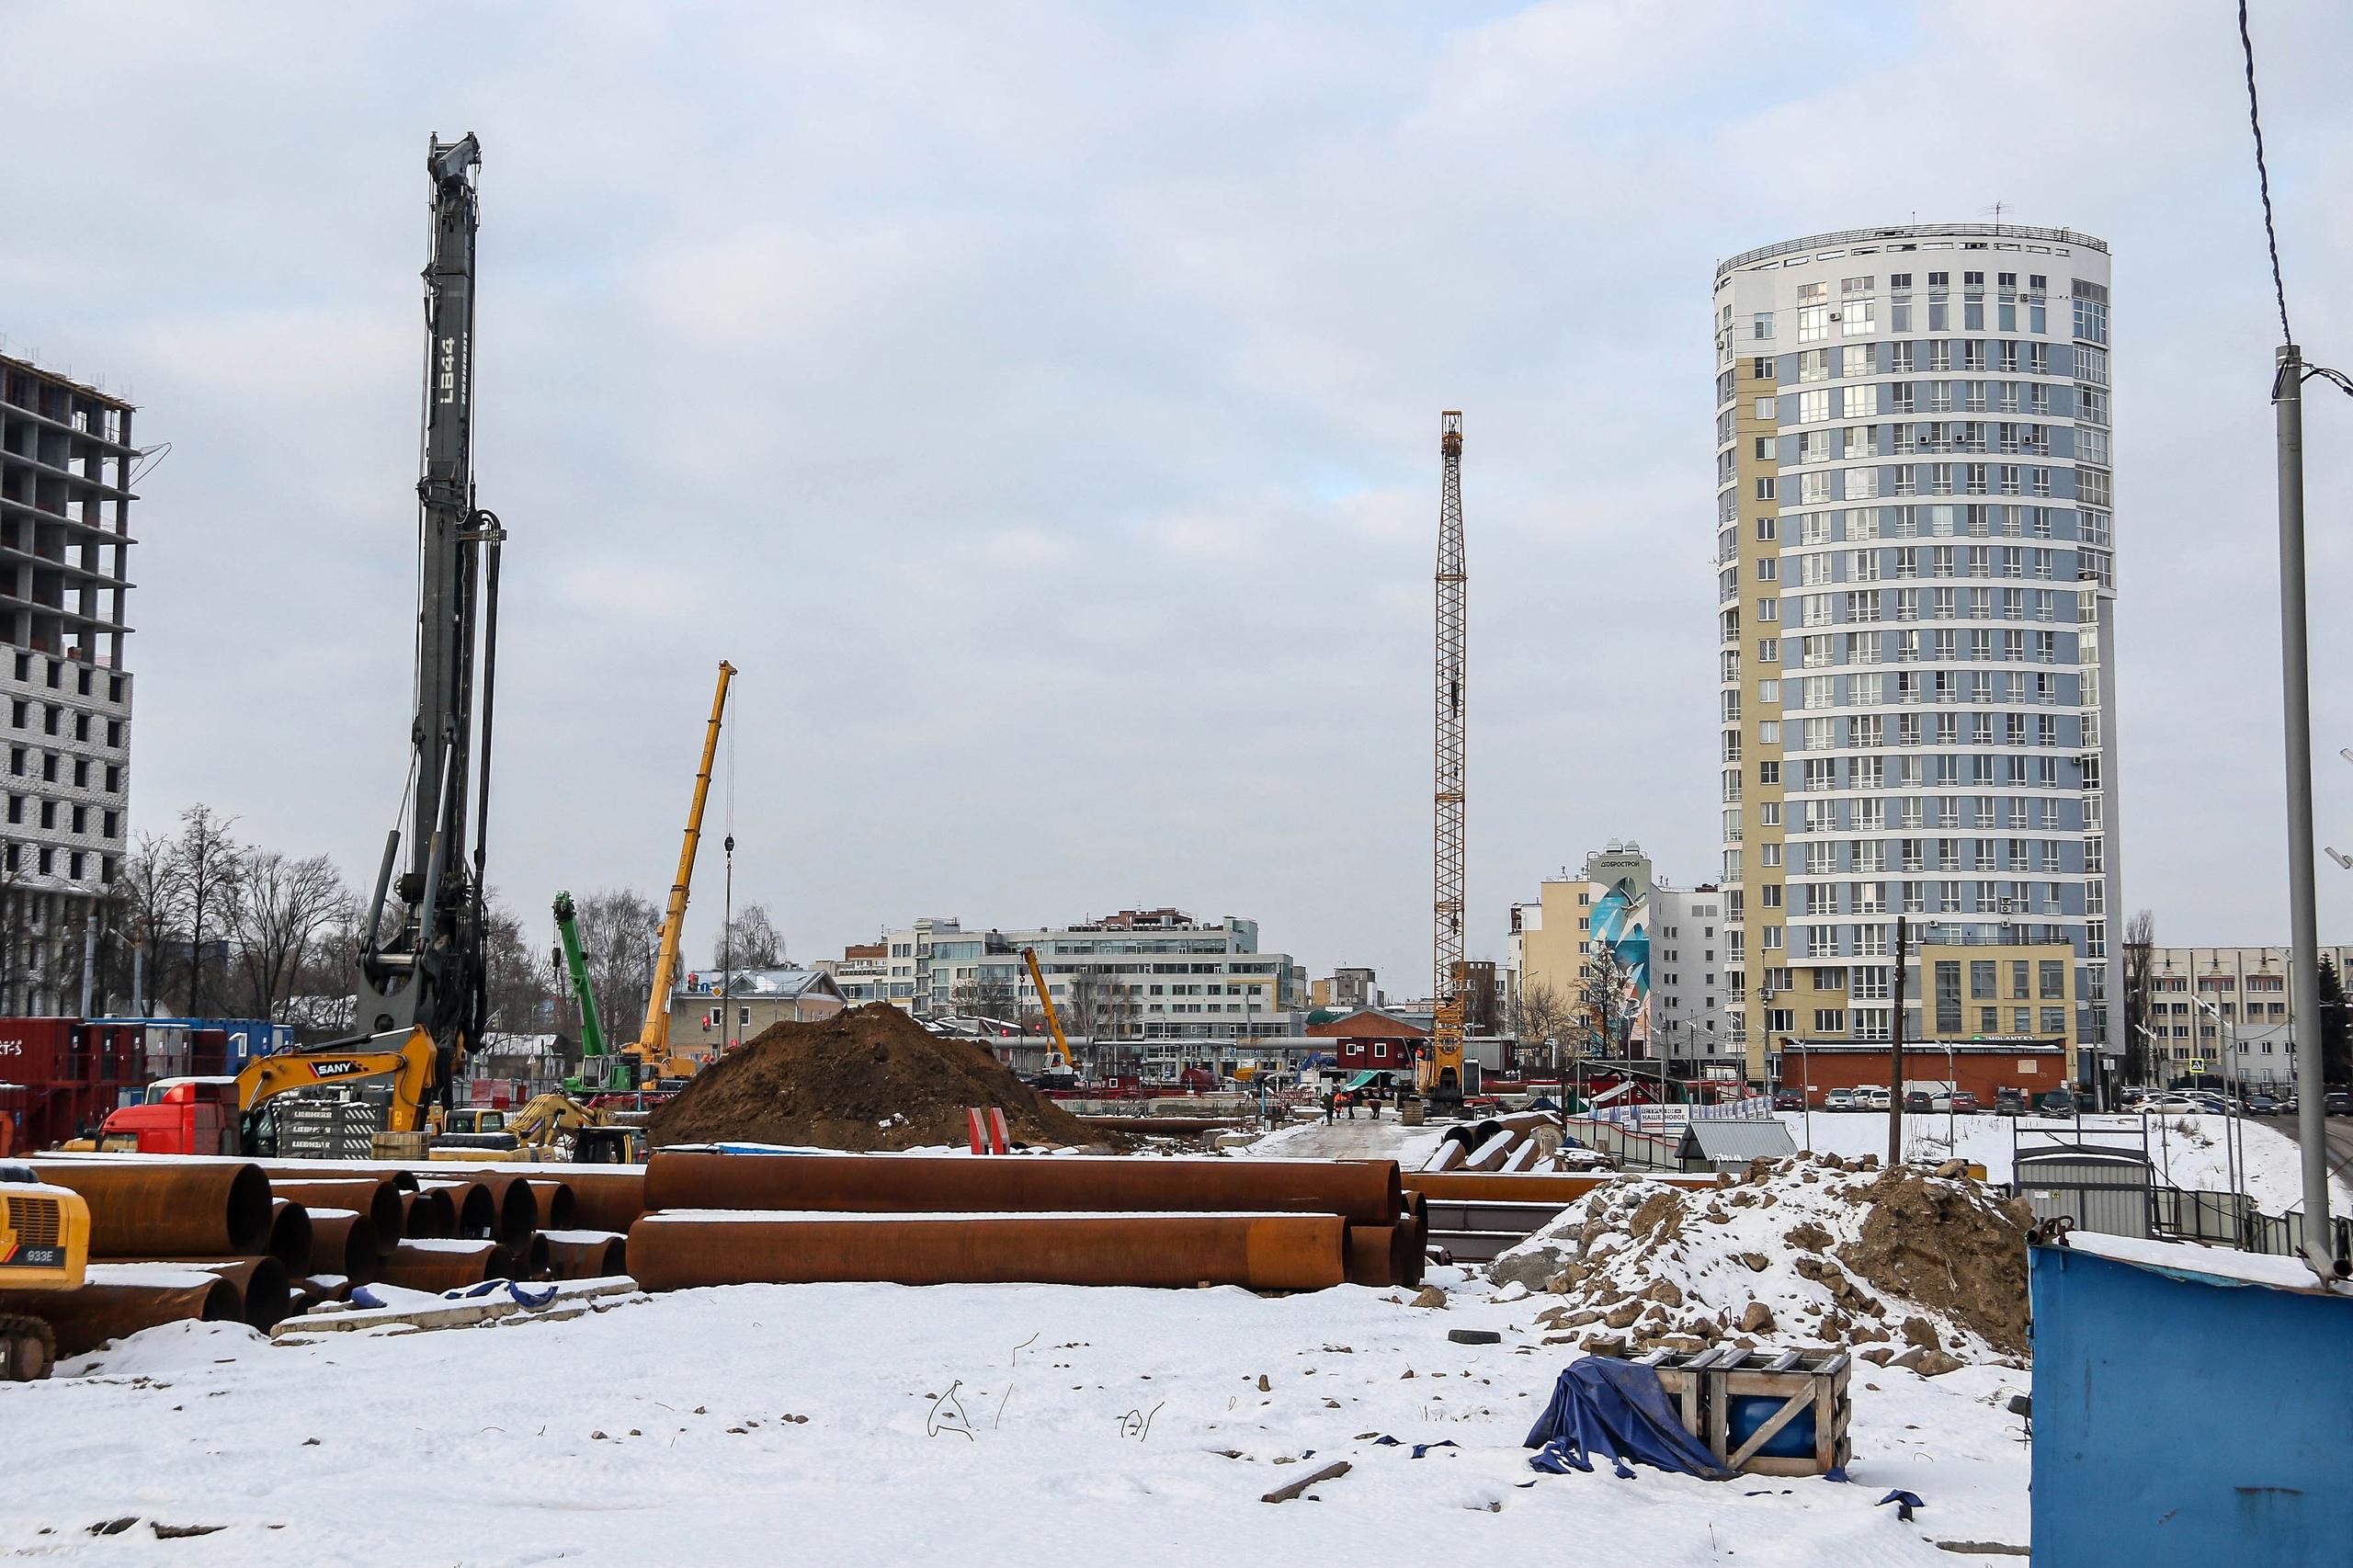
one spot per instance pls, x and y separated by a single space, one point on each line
410 1069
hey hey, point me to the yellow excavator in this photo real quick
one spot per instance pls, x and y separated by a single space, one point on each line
1054 1022
225 1116
650 1055
542 1129
44 1247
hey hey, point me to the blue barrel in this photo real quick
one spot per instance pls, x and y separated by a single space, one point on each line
1748 1412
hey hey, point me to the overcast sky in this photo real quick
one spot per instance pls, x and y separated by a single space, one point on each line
1039 403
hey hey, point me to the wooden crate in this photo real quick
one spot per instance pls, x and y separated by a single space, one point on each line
1703 1386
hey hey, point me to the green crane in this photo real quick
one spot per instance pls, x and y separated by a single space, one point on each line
601 1072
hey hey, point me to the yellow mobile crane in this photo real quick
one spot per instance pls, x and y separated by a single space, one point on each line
650 1054
1038 979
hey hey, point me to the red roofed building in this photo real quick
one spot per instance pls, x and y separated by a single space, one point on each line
1371 1042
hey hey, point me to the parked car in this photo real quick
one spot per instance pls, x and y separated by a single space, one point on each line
2009 1102
2169 1104
1839 1099
2338 1102
1788 1100
1919 1100
2262 1105
1963 1101
2058 1102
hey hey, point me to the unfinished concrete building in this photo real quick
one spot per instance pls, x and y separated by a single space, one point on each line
65 470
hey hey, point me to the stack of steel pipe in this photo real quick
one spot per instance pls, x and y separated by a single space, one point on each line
1074 1219
242 1239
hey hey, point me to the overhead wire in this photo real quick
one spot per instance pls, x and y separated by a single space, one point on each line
2337 379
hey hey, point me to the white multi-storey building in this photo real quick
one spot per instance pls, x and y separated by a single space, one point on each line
1914 536
1137 975
2223 1012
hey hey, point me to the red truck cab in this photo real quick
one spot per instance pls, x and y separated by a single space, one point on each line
181 1116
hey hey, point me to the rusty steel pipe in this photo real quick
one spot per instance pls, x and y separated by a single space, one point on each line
290 1235
1415 1247
1260 1252
321 1288
1447 1156
605 1197
525 1259
281 1172
87 1318
477 1216
585 1254
1361 1192
1372 1254
1491 1154
427 1215
517 1204
378 1197
344 1244
1523 1157
265 1297
558 1208
161 1208
1535 1187
438 1265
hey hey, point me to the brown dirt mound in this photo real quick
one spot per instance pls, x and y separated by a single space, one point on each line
835 1085
1948 1247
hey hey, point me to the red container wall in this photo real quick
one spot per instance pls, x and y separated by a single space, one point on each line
36 1050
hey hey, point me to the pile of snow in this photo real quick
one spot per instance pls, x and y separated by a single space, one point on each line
1811 1252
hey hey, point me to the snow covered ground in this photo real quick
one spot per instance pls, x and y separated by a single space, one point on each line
869 1424
1363 1139
2187 1151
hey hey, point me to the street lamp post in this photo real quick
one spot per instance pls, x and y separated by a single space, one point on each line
2224 1036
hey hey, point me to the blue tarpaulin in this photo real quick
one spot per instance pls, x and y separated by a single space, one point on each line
1617 1409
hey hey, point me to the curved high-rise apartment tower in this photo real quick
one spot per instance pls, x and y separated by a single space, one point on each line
1915 548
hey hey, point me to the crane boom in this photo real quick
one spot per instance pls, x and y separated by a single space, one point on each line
421 954
1442 1079
595 1063
654 1039
1038 979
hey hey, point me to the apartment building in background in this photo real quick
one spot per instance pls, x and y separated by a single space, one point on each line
1915 537
65 470
2223 1012
1155 975
1668 945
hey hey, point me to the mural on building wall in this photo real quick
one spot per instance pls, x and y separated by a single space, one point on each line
1620 926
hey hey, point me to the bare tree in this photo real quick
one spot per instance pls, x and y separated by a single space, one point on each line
987 999
523 985
1543 1014
1602 999
274 908
619 930
2139 958
151 897
204 863
748 941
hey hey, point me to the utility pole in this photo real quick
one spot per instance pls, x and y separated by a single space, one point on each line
1445 1083
2303 967
1895 1051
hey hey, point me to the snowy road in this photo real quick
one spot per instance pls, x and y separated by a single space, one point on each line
973 1424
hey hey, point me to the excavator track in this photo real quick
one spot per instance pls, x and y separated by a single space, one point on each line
28 1349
